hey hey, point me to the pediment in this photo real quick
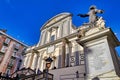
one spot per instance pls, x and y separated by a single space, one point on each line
55 19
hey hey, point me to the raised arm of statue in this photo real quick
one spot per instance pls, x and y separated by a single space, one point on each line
83 15
92 14
99 11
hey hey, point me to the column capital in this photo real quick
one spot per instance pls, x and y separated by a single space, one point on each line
50 30
65 40
70 44
35 51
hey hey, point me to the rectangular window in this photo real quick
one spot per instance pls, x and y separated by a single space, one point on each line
52 38
11 62
14 53
7 40
17 45
8 71
19 64
4 48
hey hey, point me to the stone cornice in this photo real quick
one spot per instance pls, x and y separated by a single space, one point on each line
54 42
101 33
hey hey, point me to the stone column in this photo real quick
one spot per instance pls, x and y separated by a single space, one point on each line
31 60
70 51
46 36
62 30
56 28
41 62
70 48
59 57
64 51
50 31
27 60
36 61
42 37
68 27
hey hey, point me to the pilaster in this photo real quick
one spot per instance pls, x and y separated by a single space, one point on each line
31 60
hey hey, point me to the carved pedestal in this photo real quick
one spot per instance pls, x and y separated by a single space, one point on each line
101 57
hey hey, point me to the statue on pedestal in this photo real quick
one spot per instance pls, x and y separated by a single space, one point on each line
92 14
94 21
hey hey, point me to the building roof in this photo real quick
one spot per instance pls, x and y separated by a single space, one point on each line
13 38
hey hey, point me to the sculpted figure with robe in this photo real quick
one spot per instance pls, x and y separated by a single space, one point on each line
92 14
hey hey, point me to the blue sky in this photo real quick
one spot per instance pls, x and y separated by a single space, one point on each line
24 18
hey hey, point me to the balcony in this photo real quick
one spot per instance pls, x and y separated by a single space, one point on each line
16 48
10 65
7 41
13 57
5 44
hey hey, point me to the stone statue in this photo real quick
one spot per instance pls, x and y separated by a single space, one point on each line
92 14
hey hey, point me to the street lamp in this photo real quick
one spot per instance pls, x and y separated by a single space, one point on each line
48 64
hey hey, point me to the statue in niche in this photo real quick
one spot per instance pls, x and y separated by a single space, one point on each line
92 15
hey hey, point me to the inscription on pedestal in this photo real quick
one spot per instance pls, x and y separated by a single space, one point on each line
98 59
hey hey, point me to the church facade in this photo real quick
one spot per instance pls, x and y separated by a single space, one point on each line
83 53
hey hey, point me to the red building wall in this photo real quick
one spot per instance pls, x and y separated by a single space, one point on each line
6 63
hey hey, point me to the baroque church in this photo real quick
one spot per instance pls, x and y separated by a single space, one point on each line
75 53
